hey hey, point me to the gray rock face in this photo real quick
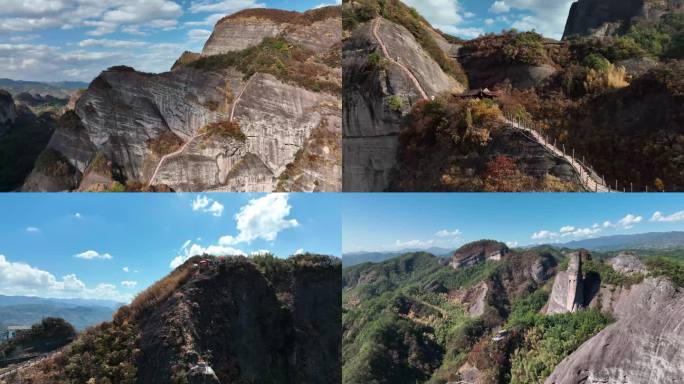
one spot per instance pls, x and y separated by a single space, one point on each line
149 127
627 263
8 111
237 33
606 17
249 27
277 119
370 128
567 293
644 345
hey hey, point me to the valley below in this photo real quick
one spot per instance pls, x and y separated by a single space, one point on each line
494 314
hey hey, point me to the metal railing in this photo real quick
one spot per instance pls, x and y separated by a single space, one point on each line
589 178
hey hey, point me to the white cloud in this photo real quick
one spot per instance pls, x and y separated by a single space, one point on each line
629 221
547 17
77 215
125 269
225 6
414 243
92 255
659 217
447 233
103 16
25 280
512 244
500 7
205 204
32 229
129 283
567 228
188 251
489 21
544 235
299 251
112 43
262 218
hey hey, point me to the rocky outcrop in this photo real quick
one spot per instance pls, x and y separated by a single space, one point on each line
478 252
607 17
371 128
185 59
643 346
153 128
627 263
317 29
567 294
8 112
258 328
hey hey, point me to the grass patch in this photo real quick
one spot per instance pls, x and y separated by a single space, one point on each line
227 129
286 61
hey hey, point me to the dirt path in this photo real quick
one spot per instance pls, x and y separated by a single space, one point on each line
376 25
589 180
182 149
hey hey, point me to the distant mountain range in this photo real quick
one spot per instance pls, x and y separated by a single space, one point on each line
652 240
645 241
354 258
62 89
81 313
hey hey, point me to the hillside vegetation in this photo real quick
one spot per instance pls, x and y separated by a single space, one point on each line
355 12
167 326
411 319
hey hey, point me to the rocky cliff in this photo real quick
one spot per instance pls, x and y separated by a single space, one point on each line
608 17
567 294
225 124
219 320
382 91
644 345
478 252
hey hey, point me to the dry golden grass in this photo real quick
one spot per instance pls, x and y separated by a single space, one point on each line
612 78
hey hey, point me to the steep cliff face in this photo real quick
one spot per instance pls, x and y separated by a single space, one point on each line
478 252
608 17
567 294
371 124
224 128
258 328
643 346
313 29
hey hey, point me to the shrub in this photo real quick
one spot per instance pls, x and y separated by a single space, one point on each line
525 48
226 129
668 268
395 103
597 62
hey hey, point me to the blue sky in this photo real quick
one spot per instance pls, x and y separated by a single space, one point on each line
114 245
383 222
470 18
54 40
